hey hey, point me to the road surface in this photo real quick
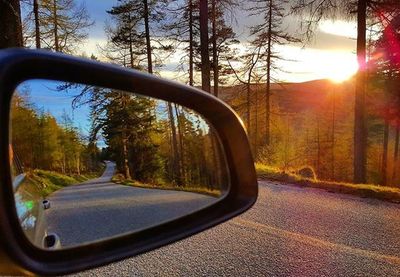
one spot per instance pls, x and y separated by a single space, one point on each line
100 209
290 231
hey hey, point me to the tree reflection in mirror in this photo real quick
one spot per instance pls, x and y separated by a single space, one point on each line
91 163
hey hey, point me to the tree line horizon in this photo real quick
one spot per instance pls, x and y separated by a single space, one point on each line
204 28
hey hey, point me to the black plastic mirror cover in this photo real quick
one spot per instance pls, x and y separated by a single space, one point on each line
19 256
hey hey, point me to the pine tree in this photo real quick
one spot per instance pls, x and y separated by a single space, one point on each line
60 25
269 34
130 42
183 28
222 38
128 128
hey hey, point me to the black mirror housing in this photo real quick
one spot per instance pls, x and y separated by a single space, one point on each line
19 256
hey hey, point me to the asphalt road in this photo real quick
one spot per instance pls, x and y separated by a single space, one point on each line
290 231
100 209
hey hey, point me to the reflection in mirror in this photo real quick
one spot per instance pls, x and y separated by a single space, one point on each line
91 163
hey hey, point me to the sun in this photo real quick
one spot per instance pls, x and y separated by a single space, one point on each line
340 69
334 65
342 74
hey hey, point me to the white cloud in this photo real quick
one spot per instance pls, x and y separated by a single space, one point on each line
341 28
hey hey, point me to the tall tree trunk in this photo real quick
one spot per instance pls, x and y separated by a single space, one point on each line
256 124
56 43
147 31
216 175
268 89
78 165
286 149
360 131
175 161
318 149
214 46
125 151
385 153
64 163
37 26
396 153
131 50
181 152
191 43
205 59
10 24
125 155
248 108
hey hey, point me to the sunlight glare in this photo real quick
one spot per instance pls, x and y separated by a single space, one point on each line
311 64
342 70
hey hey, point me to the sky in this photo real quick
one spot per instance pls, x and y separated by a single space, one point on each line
45 97
330 54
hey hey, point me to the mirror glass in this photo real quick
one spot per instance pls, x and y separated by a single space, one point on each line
91 163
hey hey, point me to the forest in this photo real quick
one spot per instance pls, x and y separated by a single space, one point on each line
39 141
151 141
347 132
154 141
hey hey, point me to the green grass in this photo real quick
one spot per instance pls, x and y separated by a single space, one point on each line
119 179
363 190
48 182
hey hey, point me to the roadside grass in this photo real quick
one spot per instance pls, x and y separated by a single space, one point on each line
120 179
48 182
363 190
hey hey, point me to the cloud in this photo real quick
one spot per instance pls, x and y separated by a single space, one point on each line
327 41
347 29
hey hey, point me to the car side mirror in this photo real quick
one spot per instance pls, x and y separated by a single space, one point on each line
210 159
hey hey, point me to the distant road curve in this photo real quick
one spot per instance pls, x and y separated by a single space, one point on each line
99 209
